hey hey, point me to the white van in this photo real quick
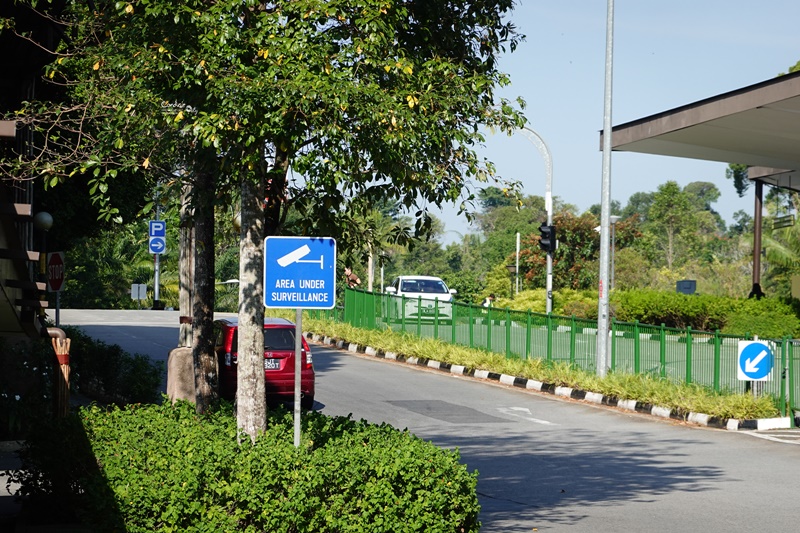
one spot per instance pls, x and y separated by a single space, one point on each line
426 297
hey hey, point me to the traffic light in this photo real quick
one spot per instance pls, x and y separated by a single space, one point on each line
547 239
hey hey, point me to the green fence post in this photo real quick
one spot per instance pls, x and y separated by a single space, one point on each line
403 313
453 312
373 316
508 333
784 343
348 306
471 326
688 355
613 344
489 328
419 316
572 339
436 319
637 348
663 351
528 335
549 325
792 382
717 359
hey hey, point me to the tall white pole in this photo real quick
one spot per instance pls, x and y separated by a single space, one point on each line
605 203
516 285
548 202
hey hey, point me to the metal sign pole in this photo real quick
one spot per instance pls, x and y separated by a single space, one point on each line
298 346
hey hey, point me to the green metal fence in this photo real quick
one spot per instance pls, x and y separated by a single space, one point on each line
684 355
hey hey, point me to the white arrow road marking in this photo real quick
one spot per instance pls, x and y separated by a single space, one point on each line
752 365
525 414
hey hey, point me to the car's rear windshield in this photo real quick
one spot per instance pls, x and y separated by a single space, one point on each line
274 339
431 286
278 339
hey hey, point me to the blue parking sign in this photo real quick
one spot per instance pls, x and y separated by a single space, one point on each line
158 228
300 272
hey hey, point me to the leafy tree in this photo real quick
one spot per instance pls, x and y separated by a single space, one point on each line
743 223
494 197
672 218
575 260
703 194
363 98
501 224
738 174
615 206
638 204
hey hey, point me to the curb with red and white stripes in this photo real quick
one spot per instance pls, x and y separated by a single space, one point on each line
700 419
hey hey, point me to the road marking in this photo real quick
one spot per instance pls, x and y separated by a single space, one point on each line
786 437
525 414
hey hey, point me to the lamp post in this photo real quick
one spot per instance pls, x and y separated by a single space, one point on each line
603 339
537 141
512 272
613 219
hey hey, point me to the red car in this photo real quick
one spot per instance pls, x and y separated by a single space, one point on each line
278 360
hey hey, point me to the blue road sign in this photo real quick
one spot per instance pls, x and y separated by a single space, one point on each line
157 245
300 272
158 228
755 361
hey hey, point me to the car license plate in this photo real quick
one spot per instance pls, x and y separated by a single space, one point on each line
272 364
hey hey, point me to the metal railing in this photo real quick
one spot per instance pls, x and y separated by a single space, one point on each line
705 358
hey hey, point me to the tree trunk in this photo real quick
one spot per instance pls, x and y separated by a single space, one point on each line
205 361
251 406
186 272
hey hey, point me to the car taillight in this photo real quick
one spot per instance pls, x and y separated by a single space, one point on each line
306 355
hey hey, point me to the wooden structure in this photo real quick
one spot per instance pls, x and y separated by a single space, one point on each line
21 64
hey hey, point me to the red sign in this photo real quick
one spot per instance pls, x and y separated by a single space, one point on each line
55 271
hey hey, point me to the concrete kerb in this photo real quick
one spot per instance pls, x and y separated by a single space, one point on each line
699 419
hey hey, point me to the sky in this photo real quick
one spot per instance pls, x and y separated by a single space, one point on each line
665 55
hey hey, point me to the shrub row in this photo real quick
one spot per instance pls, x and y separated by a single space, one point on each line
768 317
164 468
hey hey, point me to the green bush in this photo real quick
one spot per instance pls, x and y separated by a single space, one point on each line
768 318
164 468
566 302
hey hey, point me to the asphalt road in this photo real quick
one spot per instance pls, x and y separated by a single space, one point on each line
545 464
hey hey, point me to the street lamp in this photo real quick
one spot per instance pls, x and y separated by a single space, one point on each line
512 272
539 143
613 219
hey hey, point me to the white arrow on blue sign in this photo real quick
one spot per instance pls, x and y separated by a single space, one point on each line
157 245
756 359
299 272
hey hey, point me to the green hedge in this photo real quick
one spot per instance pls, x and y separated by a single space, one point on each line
767 317
164 468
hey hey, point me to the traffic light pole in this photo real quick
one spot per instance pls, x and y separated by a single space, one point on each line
548 204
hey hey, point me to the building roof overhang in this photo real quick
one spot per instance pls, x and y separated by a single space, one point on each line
758 126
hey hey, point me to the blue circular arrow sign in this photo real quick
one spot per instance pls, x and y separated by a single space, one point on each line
157 245
755 361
